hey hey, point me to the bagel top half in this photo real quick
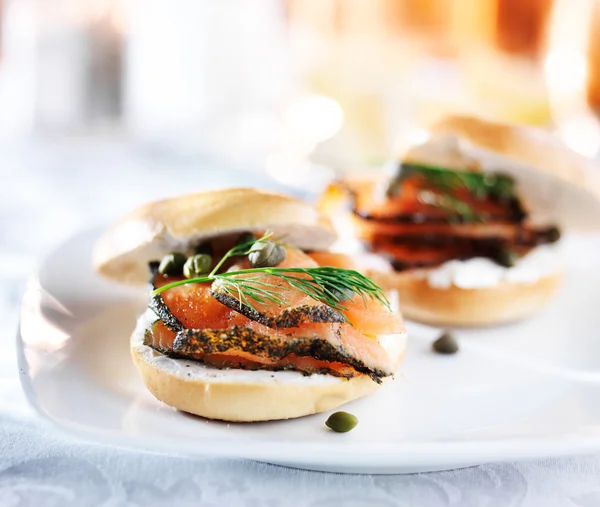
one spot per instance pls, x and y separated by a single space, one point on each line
176 224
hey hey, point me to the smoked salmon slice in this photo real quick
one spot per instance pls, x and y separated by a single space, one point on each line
303 334
299 307
247 348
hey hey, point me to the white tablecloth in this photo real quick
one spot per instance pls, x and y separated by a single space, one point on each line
50 190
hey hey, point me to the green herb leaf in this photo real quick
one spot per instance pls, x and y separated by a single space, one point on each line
445 182
325 284
452 205
480 184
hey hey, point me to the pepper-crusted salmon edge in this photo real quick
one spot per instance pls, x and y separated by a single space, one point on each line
265 349
288 318
239 395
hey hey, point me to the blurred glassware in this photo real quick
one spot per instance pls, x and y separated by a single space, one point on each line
572 69
17 82
61 65
192 76
203 74
296 88
78 63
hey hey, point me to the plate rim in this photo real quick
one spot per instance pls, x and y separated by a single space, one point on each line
465 453
391 457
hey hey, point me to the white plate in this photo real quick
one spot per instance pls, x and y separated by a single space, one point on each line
529 390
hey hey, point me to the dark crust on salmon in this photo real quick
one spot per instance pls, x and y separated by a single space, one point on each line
158 305
194 343
293 317
289 317
245 310
421 218
148 339
523 240
514 214
238 365
514 211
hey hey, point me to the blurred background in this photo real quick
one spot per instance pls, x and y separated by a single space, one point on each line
107 103
275 85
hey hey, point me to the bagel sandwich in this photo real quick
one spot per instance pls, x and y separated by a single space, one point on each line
469 221
249 318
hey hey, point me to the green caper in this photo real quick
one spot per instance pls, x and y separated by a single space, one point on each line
342 294
246 237
553 234
490 179
266 254
197 265
341 422
504 178
172 264
445 344
506 258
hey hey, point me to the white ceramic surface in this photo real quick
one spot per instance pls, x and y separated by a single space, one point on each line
528 390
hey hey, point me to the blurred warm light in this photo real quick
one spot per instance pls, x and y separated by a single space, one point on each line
405 141
566 70
569 70
307 122
296 170
118 17
76 12
393 64
255 130
582 134
347 241
312 120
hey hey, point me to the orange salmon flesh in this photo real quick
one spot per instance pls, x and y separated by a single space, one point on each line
312 338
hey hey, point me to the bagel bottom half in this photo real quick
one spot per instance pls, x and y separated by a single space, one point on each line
245 396
455 306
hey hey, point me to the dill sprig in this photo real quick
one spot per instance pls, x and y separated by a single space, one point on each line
328 285
479 184
445 183
324 284
452 205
